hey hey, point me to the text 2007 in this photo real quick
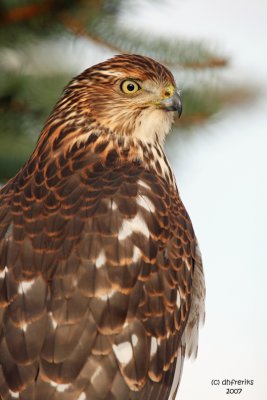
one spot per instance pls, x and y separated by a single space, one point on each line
233 391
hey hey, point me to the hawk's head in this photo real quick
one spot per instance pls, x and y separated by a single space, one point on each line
128 95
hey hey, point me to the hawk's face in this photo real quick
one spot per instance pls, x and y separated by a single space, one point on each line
131 95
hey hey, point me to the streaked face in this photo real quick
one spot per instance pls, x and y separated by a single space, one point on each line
132 95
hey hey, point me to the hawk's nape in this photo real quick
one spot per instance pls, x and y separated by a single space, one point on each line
101 282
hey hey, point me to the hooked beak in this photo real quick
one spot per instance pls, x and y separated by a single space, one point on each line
172 103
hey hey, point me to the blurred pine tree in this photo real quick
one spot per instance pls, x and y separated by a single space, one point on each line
35 64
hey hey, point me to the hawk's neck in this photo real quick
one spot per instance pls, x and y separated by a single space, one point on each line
99 145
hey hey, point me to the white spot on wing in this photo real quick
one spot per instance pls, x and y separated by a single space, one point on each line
136 254
15 395
101 259
136 224
25 286
60 387
3 273
123 352
134 339
178 299
54 322
24 326
82 396
153 346
126 323
187 263
107 295
146 203
113 206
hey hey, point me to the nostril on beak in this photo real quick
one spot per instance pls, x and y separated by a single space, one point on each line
167 93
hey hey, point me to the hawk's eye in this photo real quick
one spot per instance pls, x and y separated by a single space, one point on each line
129 87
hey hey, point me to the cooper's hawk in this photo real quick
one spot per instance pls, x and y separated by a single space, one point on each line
101 283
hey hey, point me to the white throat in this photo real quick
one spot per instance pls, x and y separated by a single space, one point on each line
153 124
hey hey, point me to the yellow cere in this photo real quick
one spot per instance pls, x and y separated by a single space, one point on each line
168 91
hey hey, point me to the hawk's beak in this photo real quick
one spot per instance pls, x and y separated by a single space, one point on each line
172 103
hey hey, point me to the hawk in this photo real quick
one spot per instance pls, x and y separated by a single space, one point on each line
101 281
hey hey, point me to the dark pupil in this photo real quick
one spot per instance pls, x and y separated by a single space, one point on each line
130 87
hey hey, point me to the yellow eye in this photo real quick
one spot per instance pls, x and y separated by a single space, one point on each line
129 87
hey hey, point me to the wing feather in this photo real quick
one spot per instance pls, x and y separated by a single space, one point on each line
96 272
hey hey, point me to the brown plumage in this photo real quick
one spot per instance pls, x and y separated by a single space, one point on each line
101 283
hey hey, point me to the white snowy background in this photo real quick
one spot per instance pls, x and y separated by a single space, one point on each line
221 170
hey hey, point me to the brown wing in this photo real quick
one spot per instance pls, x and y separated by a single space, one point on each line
96 266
